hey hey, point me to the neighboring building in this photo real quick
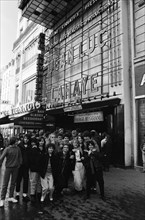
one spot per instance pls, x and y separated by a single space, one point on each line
26 113
7 96
138 62
88 81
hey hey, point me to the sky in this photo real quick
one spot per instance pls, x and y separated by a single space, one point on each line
8 29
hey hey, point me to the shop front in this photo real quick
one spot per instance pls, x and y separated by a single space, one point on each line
86 83
140 107
27 117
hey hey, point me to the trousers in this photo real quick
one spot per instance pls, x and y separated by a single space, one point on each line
9 172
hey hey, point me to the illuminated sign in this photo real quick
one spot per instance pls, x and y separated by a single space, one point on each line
88 117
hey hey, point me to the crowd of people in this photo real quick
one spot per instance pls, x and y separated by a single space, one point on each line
43 163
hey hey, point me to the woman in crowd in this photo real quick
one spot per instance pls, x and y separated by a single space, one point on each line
79 170
65 166
48 172
23 173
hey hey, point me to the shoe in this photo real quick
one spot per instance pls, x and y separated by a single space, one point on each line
1 203
42 199
26 198
12 200
51 199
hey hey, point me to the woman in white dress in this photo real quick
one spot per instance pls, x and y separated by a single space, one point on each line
79 170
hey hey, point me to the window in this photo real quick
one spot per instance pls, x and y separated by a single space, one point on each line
28 91
17 95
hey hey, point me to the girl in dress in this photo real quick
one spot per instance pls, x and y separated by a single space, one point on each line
79 170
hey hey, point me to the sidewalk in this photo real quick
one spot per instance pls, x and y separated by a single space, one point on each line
125 200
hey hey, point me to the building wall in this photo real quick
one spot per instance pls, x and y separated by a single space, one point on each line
139 77
26 53
7 89
90 57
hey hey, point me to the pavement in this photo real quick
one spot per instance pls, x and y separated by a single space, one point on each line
124 193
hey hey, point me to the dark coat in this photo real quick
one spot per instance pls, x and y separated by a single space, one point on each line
96 158
35 159
1 141
44 159
25 151
65 164
65 167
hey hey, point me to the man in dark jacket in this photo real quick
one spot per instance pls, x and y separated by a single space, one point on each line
94 168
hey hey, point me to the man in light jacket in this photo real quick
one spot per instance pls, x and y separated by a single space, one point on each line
13 161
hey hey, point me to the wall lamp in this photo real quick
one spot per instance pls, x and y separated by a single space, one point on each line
114 93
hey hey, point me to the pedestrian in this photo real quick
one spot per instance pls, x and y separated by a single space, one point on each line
106 145
34 162
142 147
23 172
13 161
48 172
94 169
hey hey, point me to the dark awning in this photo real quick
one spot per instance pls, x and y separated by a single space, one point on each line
46 12
102 104
5 120
35 119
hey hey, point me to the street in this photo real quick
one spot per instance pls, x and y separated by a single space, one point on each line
125 200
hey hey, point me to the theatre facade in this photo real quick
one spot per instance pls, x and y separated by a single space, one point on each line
87 74
87 78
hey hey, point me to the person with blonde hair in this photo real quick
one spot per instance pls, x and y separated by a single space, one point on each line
79 170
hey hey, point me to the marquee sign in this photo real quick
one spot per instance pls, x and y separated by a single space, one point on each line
88 117
84 59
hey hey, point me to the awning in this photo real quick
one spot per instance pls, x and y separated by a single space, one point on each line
102 104
5 120
16 116
34 119
46 13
